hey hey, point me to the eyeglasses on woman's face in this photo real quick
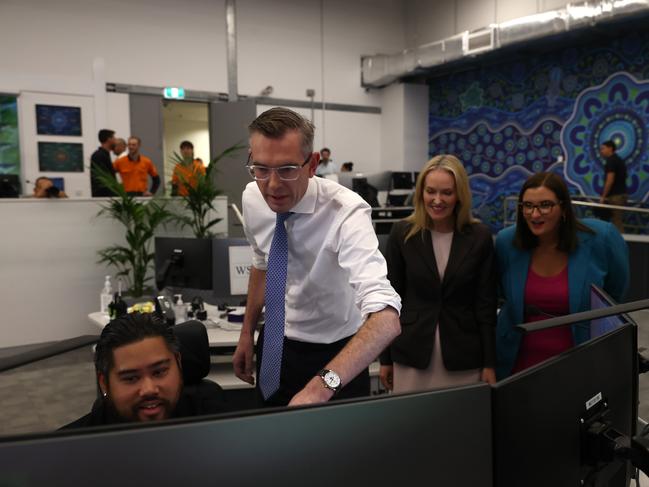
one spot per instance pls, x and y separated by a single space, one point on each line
544 207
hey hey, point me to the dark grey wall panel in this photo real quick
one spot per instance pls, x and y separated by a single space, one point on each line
146 123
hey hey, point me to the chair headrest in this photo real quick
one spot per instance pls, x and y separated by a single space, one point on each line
194 350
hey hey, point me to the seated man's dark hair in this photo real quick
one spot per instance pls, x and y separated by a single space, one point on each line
130 329
610 144
105 134
186 144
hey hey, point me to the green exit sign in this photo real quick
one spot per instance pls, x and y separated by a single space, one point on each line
174 93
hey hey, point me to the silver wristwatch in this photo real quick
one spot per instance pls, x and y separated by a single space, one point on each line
330 380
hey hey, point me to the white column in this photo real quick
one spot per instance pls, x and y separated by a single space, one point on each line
404 127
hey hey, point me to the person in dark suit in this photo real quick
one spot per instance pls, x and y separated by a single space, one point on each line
547 262
100 162
442 263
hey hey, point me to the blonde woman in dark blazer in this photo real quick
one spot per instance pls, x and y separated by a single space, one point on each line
442 263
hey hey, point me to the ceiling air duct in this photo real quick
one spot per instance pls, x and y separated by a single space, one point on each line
381 69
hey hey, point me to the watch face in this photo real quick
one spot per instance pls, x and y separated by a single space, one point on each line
332 379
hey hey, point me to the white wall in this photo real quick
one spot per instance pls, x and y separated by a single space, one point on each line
117 115
75 46
49 276
426 21
354 137
404 127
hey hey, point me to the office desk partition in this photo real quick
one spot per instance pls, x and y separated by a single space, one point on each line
433 438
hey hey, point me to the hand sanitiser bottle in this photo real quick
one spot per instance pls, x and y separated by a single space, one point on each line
180 309
106 295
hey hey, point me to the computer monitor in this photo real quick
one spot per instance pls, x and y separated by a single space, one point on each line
9 186
380 180
366 191
540 413
402 180
183 262
430 438
397 199
345 179
600 300
58 183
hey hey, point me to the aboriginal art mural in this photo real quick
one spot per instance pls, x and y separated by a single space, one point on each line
547 113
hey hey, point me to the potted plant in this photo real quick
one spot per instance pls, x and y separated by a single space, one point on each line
140 218
200 193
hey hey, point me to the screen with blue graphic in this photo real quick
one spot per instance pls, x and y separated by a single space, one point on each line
56 120
60 157
599 300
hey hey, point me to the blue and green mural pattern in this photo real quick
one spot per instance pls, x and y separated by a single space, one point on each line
9 148
508 121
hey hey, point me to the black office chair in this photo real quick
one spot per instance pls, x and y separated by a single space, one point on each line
207 396
195 362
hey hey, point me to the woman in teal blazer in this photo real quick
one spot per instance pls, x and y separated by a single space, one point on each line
593 252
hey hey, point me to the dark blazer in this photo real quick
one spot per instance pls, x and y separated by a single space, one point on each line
464 303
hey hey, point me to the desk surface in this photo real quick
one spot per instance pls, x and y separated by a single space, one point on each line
217 337
221 370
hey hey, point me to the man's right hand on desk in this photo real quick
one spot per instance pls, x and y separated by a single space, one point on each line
242 359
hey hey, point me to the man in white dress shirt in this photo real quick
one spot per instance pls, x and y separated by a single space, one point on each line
340 309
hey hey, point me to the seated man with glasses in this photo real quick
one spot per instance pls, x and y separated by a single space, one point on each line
547 262
330 309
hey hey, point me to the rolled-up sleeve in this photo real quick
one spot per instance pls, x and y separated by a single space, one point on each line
356 244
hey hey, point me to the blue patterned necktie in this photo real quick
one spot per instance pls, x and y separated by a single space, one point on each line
275 297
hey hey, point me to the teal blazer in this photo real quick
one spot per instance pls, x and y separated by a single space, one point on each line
601 258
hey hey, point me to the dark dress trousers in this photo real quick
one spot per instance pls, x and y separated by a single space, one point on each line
463 303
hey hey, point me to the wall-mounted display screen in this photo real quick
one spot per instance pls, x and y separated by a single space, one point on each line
56 120
60 157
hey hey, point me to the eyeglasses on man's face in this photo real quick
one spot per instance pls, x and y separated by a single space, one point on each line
544 207
288 172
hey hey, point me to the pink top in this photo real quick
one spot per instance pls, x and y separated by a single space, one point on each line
545 297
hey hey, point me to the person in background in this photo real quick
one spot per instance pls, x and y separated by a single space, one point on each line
119 150
100 162
614 191
347 167
139 373
547 262
44 188
327 165
441 262
186 172
134 170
